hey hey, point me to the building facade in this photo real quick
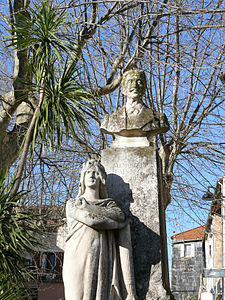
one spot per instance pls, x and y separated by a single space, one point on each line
187 263
213 245
45 265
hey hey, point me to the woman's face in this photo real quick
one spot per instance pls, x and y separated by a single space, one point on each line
92 177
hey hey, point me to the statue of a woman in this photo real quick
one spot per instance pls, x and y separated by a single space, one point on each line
97 259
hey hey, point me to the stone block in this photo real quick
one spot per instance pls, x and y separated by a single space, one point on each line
134 181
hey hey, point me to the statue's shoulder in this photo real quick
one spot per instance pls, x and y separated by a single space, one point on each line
164 123
113 122
75 201
146 112
71 202
153 114
115 114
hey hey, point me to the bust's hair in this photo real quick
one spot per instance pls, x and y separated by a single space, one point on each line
141 73
93 163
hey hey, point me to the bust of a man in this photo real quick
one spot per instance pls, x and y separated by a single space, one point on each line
134 119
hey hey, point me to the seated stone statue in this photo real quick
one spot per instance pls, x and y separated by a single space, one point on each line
134 119
98 255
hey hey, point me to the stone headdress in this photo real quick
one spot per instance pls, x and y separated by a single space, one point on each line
93 162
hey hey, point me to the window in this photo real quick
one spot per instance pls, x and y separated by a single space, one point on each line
188 250
177 250
47 266
48 261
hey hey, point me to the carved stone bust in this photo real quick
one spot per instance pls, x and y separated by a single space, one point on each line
134 119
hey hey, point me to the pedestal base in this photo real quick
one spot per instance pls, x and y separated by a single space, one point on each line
134 181
129 141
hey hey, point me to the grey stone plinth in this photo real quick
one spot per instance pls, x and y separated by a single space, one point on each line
134 181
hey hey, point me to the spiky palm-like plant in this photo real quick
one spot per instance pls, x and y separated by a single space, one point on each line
62 101
18 232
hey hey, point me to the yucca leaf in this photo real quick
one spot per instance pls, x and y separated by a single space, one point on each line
17 230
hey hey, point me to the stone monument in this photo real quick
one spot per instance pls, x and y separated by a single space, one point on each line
98 262
135 182
134 120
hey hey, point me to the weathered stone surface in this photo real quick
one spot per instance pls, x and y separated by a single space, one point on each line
125 142
98 262
134 119
186 271
145 122
134 182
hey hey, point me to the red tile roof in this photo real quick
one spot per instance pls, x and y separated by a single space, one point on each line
191 234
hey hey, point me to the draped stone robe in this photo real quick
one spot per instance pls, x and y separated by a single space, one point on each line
97 262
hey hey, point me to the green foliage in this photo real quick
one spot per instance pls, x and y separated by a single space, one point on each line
10 290
40 31
17 239
65 103
194 298
54 74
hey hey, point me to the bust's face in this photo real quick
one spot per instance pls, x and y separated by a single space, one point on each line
134 86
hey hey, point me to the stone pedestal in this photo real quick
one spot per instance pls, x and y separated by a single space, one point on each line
134 180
